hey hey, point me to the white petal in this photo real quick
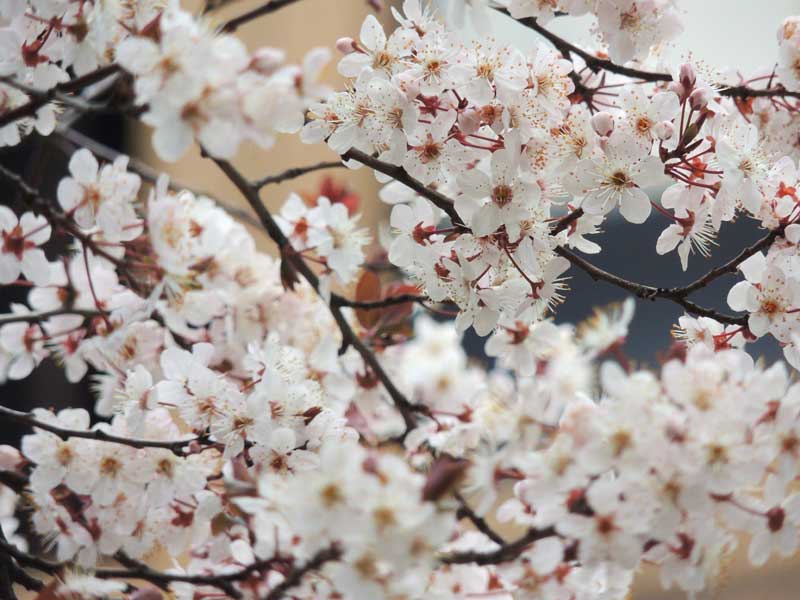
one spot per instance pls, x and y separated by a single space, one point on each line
635 206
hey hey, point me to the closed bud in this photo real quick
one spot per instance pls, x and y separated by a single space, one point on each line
603 123
664 130
346 45
677 88
267 60
686 76
146 593
698 99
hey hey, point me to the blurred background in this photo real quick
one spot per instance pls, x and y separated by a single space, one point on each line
722 33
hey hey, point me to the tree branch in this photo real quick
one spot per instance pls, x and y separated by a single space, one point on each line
73 85
603 64
138 570
399 174
731 266
506 552
349 337
37 317
648 292
295 172
465 512
295 577
259 11
29 419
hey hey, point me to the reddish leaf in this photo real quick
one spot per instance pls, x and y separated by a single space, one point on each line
368 289
445 473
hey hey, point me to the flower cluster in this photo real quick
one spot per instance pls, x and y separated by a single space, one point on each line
209 88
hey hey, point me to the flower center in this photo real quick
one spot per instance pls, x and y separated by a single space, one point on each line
502 195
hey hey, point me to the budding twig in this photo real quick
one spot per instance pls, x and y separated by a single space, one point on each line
349 337
255 13
175 446
603 64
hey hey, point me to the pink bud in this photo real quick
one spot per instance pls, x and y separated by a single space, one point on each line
346 45
677 88
469 121
10 458
687 76
267 60
664 130
603 123
698 99
146 593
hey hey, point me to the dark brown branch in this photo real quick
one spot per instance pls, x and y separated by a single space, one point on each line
603 64
378 304
255 13
57 219
465 512
28 419
506 552
399 174
38 317
73 85
295 576
139 570
733 264
648 292
294 173
566 221
6 572
349 337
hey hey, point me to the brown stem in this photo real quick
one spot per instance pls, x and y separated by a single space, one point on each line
506 552
175 446
71 86
295 576
139 570
38 317
603 64
648 292
465 512
399 174
349 337
295 172
255 13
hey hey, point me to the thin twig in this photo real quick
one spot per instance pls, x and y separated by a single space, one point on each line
648 292
399 174
295 577
139 570
349 337
603 64
73 85
38 317
259 11
506 552
29 419
465 512
295 172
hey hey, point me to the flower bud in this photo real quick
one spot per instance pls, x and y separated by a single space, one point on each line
267 60
664 130
146 593
346 45
686 77
677 89
10 458
603 123
698 99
